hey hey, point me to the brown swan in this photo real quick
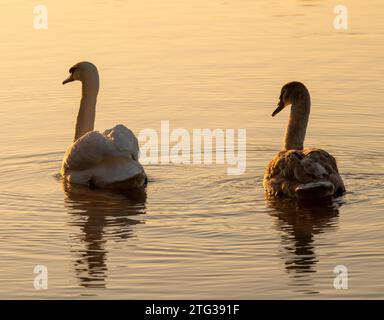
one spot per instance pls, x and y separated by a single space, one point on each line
296 172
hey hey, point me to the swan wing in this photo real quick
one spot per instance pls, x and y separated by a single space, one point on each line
93 148
103 159
87 151
124 141
293 170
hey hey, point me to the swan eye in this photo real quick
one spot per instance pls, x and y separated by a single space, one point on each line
72 70
282 95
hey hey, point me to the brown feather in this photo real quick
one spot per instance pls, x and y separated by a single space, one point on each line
292 168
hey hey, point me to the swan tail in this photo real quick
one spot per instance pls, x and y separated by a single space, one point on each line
315 190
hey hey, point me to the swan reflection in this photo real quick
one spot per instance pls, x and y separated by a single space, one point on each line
298 224
99 217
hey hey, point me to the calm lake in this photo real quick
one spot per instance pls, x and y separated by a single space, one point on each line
195 232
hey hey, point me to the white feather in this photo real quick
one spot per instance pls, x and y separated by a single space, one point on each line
103 158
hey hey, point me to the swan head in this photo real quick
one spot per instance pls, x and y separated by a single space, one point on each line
83 71
290 93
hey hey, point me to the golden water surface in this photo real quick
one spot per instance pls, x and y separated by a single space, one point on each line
195 232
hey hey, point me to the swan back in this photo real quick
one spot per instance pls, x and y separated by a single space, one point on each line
308 173
123 140
103 159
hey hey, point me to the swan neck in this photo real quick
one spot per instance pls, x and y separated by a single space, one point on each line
87 112
298 121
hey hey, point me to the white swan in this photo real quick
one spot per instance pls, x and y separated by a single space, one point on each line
296 172
107 160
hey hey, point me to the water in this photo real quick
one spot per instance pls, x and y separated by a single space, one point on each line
195 232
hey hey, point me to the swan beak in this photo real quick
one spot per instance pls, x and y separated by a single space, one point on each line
280 106
69 79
